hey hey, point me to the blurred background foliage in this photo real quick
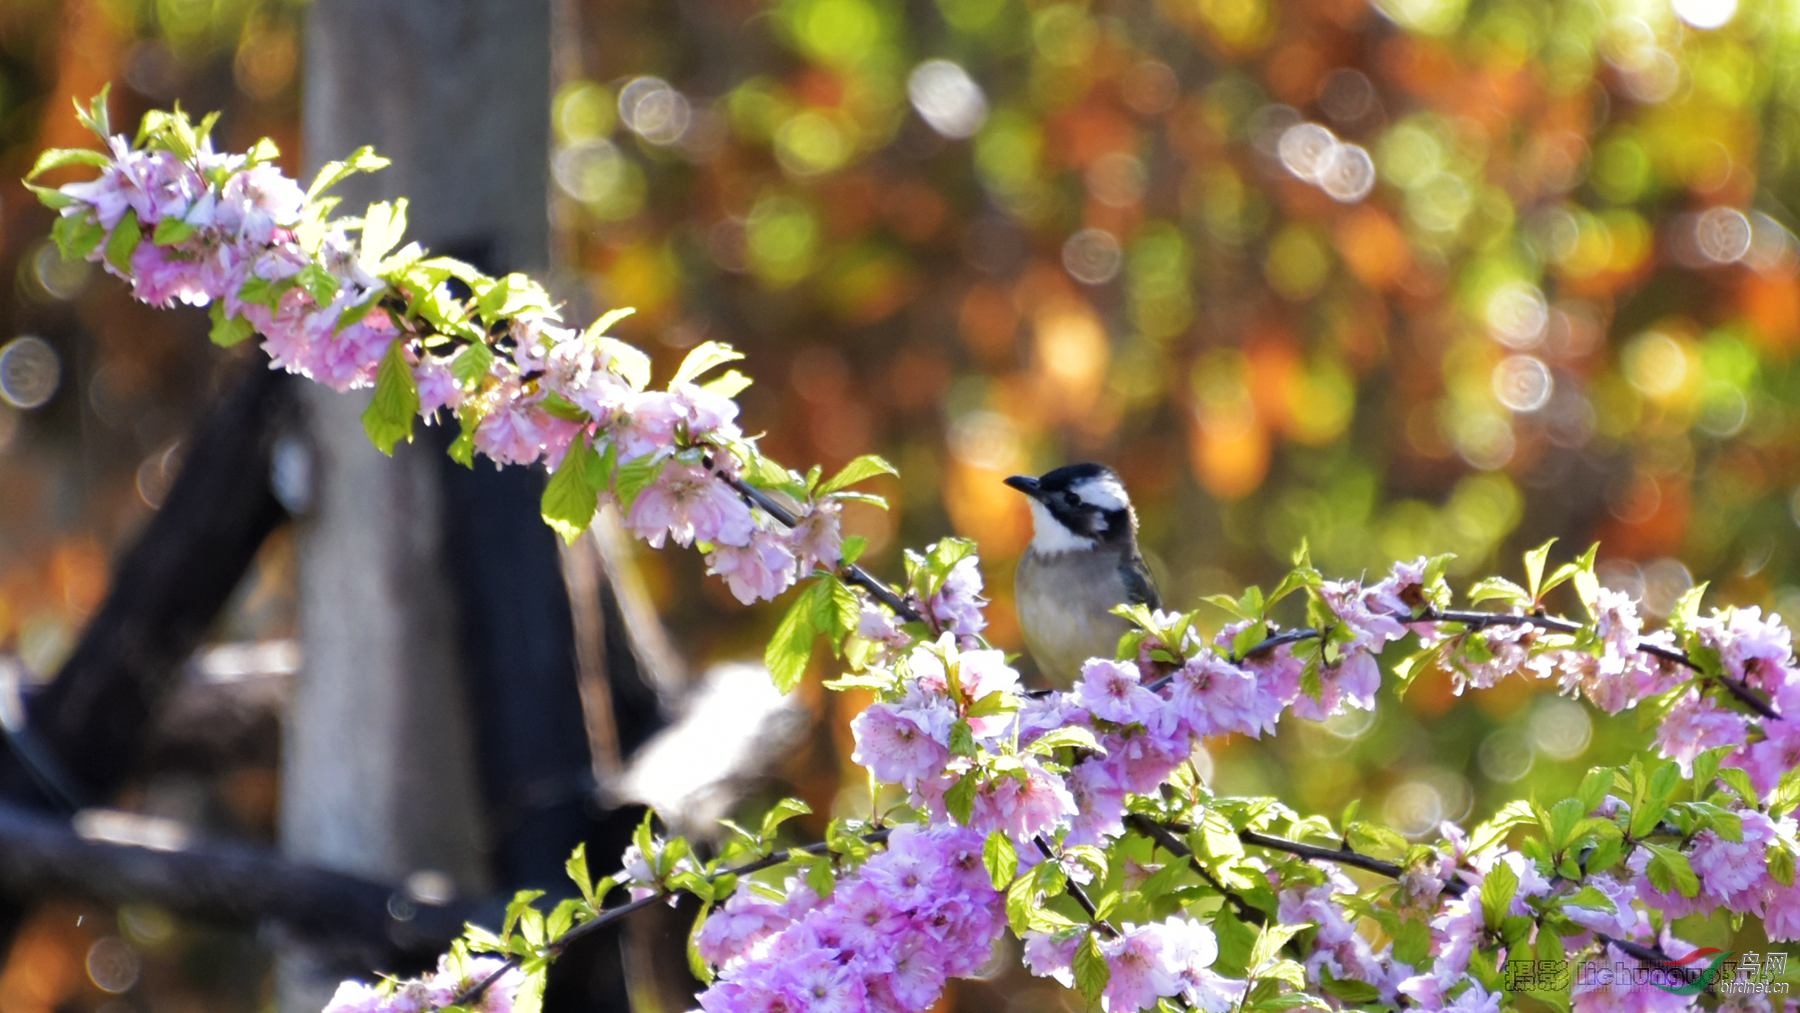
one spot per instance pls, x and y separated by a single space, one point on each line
1390 278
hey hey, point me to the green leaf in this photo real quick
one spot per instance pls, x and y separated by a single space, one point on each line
94 116
599 327
779 813
1497 891
1498 589
227 330
510 296
577 869
728 384
77 236
633 477
864 467
171 231
318 283
572 494
389 417
1781 864
51 197
123 242
471 365
854 546
1670 871
1091 970
1066 736
632 365
697 965
384 224
1000 858
703 359
363 159
790 646
58 158
959 801
1534 568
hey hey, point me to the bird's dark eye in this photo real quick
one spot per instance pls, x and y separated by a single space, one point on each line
1071 499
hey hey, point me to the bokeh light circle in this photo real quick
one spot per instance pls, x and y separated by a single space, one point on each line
1523 383
1092 256
29 372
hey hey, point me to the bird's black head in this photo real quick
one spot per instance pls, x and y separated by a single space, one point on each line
1078 506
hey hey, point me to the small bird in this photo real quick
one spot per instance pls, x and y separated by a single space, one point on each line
1082 562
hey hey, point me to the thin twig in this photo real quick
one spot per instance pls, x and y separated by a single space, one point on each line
1074 889
852 573
1166 839
607 917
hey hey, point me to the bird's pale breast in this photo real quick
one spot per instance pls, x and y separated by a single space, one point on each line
1064 602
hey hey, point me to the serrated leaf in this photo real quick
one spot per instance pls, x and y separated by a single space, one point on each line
123 242
389 417
318 282
1000 859
605 321
697 965
728 384
577 869
471 365
1091 970
171 231
1670 871
58 158
227 329
363 159
779 813
790 646
632 365
572 494
94 116
703 359
1497 890
1498 589
1534 568
959 801
1781 864
864 467
77 236
384 225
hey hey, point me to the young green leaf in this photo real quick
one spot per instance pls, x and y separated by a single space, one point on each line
1497 891
705 357
227 330
124 242
1000 858
790 646
363 159
389 417
864 467
572 495
1091 970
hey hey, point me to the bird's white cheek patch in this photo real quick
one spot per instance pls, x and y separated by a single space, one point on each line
1105 493
1049 535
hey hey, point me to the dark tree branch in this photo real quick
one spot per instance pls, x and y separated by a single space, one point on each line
116 859
1168 841
91 720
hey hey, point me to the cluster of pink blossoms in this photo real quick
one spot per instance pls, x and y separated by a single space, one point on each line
1170 959
432 992
888 938
233 232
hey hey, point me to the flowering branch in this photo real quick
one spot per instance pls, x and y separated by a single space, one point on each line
984 768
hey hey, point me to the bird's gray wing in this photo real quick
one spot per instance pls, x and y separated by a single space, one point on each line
1140 589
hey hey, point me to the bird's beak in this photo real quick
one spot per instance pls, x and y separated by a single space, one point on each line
1025 484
